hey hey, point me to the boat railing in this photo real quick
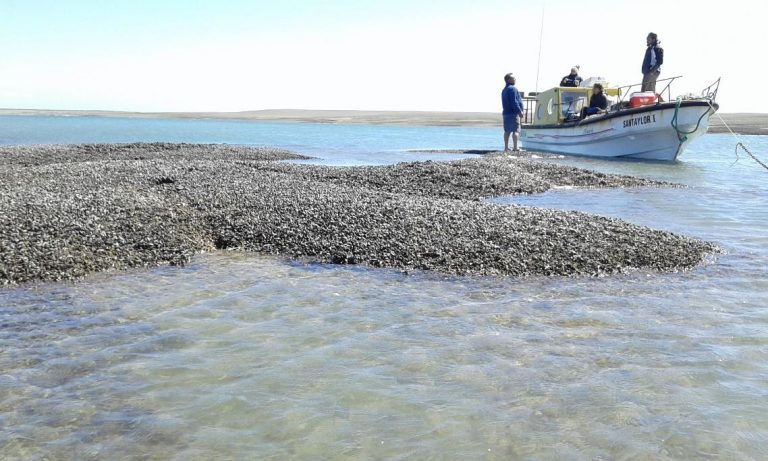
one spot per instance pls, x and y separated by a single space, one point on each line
529 103
667 88
710 92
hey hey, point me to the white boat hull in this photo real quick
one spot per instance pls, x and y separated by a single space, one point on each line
642 133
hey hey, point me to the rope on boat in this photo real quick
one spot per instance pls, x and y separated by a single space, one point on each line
682 136
740 142
680 132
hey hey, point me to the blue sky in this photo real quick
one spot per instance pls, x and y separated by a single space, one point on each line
375 55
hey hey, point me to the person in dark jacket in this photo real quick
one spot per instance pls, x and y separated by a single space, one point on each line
572 79
512 105
598 103
654 58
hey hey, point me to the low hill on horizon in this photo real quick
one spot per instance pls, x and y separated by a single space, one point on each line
742 123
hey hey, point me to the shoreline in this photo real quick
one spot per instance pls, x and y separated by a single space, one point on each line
740 123
70 210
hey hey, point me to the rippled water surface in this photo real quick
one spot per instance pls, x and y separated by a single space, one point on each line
240 356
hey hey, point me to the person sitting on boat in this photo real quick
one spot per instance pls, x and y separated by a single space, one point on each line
598 103
572 79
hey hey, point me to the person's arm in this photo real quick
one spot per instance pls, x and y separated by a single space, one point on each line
646 67
507 100
520 103
659 58
603 102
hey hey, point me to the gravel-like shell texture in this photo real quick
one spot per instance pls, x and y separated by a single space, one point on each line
66 211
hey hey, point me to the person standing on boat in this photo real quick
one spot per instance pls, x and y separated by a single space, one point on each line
572 79
654 58
512 105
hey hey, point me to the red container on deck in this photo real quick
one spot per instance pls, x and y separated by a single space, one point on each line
643 98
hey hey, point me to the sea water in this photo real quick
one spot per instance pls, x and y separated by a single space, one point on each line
242 356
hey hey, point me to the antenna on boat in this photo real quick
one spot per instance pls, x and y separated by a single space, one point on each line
541 36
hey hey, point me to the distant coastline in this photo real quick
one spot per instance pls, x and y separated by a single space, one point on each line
742 123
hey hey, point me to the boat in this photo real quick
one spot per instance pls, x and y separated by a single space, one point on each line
642 126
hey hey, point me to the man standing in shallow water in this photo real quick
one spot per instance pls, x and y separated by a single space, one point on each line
512 105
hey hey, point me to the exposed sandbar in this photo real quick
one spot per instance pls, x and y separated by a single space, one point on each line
66 211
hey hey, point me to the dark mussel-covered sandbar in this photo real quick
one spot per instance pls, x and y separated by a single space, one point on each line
66 211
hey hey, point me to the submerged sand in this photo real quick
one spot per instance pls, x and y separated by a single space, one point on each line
66 211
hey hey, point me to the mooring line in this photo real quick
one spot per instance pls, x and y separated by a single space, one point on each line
740 142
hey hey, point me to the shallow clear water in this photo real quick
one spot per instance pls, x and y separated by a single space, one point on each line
331 144
241 356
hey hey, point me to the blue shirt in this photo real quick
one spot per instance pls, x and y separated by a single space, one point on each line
511 101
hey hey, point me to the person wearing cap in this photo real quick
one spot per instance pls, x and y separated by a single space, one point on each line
654 58
512 105
572 79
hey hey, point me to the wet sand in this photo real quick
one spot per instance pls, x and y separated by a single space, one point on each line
756 124
739 123
67 211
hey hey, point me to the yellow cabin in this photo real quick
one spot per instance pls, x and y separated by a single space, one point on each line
557 104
